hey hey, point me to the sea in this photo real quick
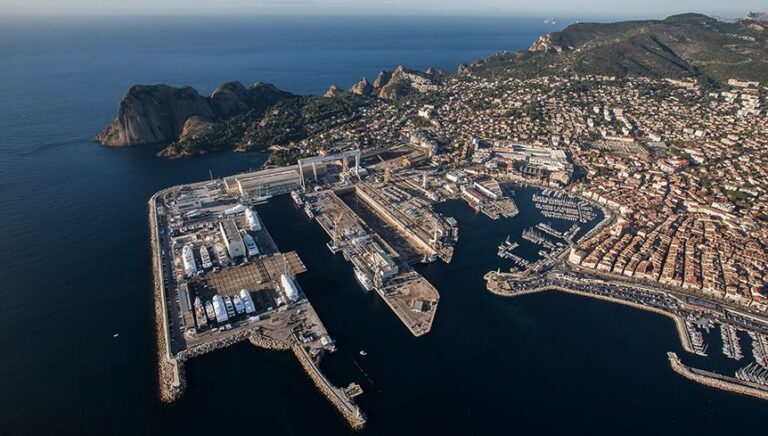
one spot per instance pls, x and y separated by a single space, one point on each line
77 342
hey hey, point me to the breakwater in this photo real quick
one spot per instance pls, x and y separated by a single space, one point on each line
170 371
713 380
348 409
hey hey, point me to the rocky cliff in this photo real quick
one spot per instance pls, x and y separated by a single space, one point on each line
362 87
153 114
160 113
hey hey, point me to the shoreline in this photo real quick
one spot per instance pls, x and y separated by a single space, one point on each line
703 377
679 323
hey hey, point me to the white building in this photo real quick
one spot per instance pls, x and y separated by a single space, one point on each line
187 202
232 239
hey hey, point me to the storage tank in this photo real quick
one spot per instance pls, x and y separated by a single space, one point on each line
289 287
220 309
189 260
253 219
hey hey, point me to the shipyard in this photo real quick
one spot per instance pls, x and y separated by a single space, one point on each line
223 279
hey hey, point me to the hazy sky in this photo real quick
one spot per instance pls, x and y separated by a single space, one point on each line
583 8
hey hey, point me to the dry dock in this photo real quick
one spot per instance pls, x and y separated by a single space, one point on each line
413 299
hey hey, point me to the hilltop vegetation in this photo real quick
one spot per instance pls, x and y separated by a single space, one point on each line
263 117
282 124
688 45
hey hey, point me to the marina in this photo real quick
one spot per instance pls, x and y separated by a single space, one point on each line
386 226
506 248
531 235
759 348
731 346
558 205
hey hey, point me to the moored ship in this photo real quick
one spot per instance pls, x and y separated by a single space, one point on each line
364 280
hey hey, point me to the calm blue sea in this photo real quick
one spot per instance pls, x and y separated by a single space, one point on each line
75 261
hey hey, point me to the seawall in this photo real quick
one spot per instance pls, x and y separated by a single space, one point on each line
715 380
170 371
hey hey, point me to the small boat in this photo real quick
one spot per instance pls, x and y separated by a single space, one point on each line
297 198
260 199
363 353
333 247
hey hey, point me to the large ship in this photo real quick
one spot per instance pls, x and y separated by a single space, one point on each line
239 306
209 312
245 296
202 321
364 280
250 245
205 257
333 247
229 307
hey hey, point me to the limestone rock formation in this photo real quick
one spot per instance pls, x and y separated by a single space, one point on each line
363 87
151 114
382 79
230 99
332 91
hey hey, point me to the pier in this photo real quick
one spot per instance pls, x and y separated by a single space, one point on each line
731 346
